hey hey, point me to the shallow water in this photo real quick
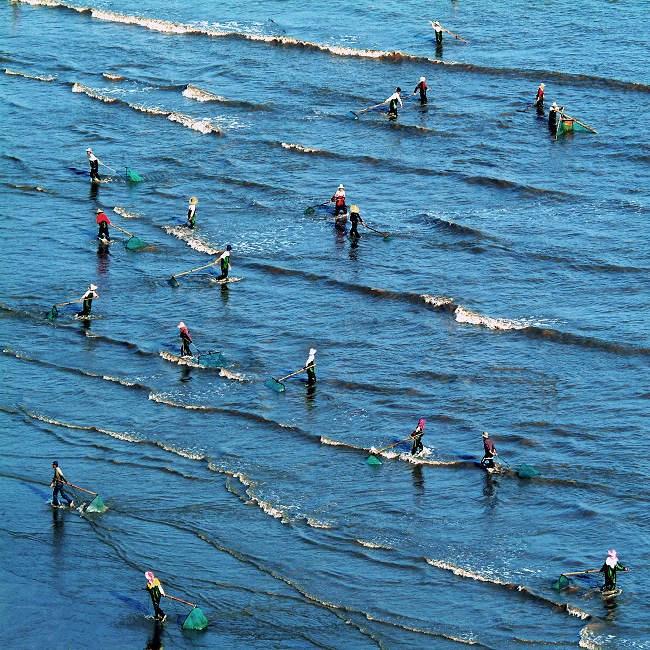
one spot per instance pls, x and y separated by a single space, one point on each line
511 296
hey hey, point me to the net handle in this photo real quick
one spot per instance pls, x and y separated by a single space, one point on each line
180 600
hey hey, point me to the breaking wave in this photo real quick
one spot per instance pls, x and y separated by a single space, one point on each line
202 125
191 239
26 75
475 575
394 56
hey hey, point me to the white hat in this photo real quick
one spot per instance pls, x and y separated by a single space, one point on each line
89 150
541 85
99 210
341 186
312 351
181 325
436 23
92 287
486 434
554 105
422 78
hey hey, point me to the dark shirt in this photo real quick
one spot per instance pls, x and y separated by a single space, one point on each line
489 447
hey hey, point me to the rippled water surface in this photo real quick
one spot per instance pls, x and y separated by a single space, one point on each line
511 296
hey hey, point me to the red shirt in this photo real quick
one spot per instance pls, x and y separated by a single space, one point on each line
101 217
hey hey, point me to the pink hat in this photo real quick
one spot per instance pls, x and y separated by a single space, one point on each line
612 558
422 423
149 576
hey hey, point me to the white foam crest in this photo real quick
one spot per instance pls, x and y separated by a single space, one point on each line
463 315
203 125
465 573
150 110
125 213
437 301
117 380
299 147
111 76
126 437
37 77
314 523
200 95
170 27
181 361
179 451
155 24
162 399
363 542
334 443
80 88
235 376
181 232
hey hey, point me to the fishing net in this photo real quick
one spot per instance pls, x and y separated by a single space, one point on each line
275 385
561 583
211 359
52 314
373 460
135 244
310 210
133 177
196 620
97 505
527 471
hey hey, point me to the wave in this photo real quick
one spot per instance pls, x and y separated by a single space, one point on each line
112 76
202 125
394 56
26 75
303 149
77 371
125 214
373 545
394 455
475 575
277 511
29 188
200 95
463 315
191 239
530 327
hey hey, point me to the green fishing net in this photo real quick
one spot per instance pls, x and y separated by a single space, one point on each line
96 505
195 620
561 583
275 385
135 244
373 460
211 359
52 314
133 177
527 471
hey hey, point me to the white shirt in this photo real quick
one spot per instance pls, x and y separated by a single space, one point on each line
223 256
395 96
91 156
310 359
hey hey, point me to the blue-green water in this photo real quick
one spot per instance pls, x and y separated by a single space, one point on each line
512 296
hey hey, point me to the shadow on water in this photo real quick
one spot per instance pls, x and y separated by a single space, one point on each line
186 373
489 491
154 642
418 480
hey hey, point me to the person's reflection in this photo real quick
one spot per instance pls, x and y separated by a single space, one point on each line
418 479
155 641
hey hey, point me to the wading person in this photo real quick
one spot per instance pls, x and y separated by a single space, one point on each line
609 568
156 592
338 199
422 88
310 365
490 451
103 222
224 263
87 300
539 100
58 481
355 220
93 161
417 434
186 339
191 212
392 102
